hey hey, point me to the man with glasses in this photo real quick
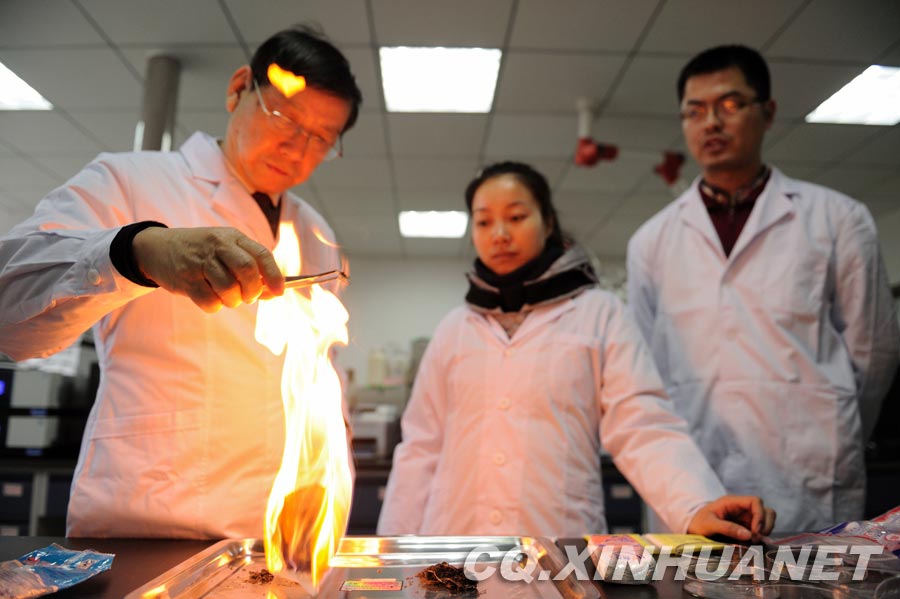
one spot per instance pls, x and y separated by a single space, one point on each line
766 305
187 429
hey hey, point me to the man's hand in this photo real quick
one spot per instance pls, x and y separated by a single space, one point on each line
214 266
740 517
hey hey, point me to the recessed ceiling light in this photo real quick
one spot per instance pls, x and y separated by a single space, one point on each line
439 79
15 94
448 224
872 98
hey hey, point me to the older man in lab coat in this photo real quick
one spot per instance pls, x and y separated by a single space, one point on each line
186 434
766 305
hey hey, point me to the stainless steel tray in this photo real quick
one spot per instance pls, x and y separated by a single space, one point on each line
224 570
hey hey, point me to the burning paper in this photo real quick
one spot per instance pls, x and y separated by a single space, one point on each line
309 504
285 81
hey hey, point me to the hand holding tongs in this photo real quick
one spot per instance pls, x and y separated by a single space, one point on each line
307 280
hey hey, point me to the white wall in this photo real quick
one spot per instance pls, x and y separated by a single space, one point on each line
392 302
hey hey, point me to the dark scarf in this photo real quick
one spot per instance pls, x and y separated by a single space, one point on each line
525 286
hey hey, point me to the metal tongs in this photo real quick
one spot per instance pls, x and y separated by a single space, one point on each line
307 280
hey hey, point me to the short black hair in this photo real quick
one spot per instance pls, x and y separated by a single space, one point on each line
749 61
536 184
304 50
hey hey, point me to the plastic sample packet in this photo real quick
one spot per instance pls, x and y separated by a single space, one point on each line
48 570
882 532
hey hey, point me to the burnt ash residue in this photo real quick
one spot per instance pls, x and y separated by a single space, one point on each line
260 577
443 576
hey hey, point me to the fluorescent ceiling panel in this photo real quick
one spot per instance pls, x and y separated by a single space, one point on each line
439 79
15 94
448 224
872 98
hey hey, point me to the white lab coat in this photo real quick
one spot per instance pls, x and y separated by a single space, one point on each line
187 430
778 355
502 436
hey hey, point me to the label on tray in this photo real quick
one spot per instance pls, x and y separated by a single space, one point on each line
372 584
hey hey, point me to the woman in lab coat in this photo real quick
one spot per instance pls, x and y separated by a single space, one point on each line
519 386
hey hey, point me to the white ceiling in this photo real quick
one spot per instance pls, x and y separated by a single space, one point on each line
88 58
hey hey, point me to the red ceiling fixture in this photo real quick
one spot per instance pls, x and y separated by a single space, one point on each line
670 168
589 152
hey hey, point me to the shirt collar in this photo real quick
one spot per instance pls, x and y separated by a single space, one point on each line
717 198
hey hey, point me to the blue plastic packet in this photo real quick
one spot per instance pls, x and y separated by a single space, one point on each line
48 570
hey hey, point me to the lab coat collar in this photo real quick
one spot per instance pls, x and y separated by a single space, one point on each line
207 162
694 214
205 158
773 204
537 320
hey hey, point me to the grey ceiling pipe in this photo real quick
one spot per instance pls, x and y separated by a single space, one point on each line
156 128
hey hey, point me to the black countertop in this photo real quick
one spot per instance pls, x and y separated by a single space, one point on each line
138 561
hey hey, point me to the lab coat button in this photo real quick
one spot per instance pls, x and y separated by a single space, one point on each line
93 277
499 459
496 517
504 403
730 334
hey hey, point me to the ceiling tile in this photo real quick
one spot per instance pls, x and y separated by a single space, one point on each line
438 23
620 175
575 206
883 148
797 170
113 129
363 67
689 26
891 57
353 173
833 29
375 235
580 229
799 88
43 24
879 206
432 200
343 21
426 135
43 131
431 248
366 138
362 204
161 21
213 122
532 136
59 76
651 133
532 81
20 175
817 142
450 175
205 72
648 87
611 25
65 166
889 187
853 181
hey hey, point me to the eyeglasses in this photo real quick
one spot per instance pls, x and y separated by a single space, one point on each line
283 124
724 108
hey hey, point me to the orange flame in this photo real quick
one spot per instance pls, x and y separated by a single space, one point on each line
309 503
285 81
321 237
